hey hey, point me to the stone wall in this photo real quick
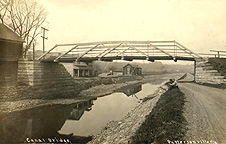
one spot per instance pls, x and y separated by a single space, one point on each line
207 73
47 79
219 64
69 67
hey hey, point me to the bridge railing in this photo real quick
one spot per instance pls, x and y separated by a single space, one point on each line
219 53
216 54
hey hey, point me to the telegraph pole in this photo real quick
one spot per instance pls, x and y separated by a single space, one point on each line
43 37
33 51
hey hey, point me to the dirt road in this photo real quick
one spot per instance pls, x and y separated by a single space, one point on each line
205 112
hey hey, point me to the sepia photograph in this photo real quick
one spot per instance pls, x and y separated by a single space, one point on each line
113 71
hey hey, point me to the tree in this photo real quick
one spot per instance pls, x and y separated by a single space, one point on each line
112 67
24 17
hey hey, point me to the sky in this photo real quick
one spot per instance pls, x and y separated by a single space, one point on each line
200 25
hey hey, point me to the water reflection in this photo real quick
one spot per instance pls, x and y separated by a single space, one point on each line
79 109
37 123
131 90
112 107
71 121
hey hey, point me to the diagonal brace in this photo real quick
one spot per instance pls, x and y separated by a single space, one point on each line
47 52
186 49
162 51
87 51
122 53
56 59
139 51
110 50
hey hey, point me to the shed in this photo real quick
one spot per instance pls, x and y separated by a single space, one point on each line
11 46
132 69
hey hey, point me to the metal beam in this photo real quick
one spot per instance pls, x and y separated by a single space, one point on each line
115 42
123 52
87 51
187 50
105 51
111 49
218 51
139 51
162 51
43 55
144 46
56 59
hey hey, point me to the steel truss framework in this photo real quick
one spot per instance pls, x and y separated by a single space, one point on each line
124 50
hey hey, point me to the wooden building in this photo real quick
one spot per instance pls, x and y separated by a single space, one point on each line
81 69
131 70
11 46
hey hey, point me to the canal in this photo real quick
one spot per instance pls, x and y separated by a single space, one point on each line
112 107
72 121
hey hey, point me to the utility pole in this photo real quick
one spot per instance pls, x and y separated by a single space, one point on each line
43 37
33 51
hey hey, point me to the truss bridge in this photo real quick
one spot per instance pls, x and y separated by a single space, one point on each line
119 50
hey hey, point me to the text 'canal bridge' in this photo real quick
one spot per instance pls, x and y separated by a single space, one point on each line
120 50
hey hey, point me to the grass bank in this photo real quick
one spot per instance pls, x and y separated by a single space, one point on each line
165 122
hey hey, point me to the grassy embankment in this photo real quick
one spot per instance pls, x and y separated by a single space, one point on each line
165 122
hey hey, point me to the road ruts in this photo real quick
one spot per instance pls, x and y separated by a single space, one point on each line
205 112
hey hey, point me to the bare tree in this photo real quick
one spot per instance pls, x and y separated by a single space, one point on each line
24 17
3 9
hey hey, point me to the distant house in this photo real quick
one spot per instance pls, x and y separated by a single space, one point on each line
11 46
116 71
81 69
131 69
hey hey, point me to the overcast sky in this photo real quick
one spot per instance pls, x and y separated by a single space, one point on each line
200 25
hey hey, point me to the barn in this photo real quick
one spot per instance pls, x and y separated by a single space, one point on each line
11 46
132 69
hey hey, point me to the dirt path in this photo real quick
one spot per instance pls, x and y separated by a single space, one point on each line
205 112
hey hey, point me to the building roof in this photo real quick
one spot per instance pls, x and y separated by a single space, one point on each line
133 65
82 65
8 35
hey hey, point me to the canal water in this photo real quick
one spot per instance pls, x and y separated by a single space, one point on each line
69 120
112 107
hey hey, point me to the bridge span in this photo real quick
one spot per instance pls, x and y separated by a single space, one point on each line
120 50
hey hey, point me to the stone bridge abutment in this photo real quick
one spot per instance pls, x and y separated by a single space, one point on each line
210 70
46 78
